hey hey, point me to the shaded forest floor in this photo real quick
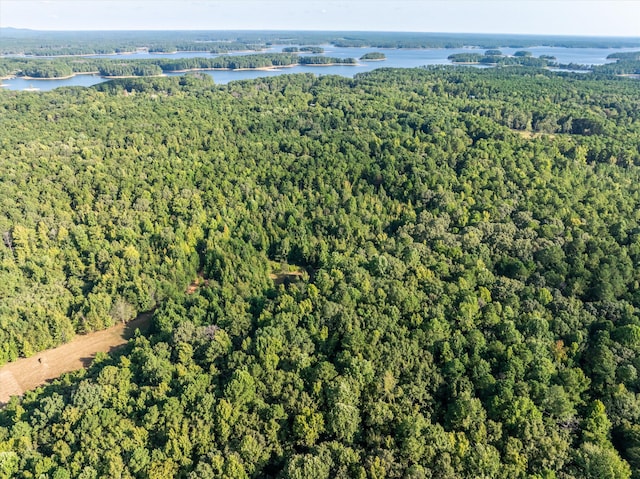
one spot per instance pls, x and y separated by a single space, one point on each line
285 273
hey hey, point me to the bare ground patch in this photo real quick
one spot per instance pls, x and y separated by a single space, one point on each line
529 135
28 373
25 374
280 278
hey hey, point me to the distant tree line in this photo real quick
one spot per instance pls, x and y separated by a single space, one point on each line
47 43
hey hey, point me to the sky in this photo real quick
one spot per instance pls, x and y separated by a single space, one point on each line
560 17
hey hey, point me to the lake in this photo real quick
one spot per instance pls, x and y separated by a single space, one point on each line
397 58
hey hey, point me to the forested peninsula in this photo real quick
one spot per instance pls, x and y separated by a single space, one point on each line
67 67
409 274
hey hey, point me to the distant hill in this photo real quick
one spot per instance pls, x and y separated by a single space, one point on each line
14 32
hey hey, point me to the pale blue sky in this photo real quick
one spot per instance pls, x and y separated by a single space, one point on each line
566 17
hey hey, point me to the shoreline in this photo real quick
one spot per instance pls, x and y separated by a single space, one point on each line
218 69
57 78
328 64
74 55
176 52
144 51
116 77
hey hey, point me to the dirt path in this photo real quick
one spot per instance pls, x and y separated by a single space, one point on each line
29 373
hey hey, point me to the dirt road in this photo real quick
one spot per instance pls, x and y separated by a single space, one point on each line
29 373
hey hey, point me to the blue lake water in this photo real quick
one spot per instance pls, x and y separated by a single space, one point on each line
397 58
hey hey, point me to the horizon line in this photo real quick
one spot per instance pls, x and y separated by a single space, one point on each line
580 35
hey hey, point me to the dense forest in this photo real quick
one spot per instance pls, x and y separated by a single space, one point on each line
625 64
410 274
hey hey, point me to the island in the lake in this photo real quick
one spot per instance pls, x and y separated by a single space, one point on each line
373 57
